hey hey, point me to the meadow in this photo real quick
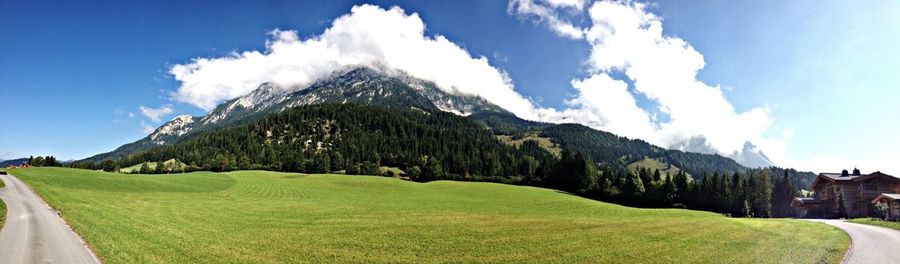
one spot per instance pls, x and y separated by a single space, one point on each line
270 217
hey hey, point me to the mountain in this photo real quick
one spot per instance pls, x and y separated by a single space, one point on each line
608 148
391 89
750 155
360 85
19 161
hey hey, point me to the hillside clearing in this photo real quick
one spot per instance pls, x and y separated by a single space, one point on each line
170 163
652 164
270 217
543 142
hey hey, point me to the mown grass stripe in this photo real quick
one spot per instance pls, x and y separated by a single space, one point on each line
270 217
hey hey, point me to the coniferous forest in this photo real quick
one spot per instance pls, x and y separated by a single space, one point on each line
429 145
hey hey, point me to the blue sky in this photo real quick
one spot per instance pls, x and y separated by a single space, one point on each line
73 75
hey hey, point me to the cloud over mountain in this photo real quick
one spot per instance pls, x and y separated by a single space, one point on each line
626 42
156 114
369 35
550 12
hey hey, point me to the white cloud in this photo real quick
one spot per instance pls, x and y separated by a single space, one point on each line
625 40
146 128
156 114
369 35
606 104
823 163
576 4
548 12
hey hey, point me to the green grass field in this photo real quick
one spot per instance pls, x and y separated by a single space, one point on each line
877 222
268 217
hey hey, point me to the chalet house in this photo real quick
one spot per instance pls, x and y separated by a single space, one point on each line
857 191
892 200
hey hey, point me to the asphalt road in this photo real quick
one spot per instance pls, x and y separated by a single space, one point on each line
870 244
34 232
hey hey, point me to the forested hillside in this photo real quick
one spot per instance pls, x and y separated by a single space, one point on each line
608 148
435 145
329 137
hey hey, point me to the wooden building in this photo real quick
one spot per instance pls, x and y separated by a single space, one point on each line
892 200
856 190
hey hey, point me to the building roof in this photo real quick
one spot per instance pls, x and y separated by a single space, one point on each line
837 177
889 196
805 200
879 174
892 196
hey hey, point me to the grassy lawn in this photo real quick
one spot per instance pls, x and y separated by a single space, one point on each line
268 217
877 222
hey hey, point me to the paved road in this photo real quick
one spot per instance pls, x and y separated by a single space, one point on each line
870 244
33 232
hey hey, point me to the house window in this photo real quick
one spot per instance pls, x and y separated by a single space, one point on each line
870 186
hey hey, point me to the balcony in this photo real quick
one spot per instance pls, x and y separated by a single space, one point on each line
868 194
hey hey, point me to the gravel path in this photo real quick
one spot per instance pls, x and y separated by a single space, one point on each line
870 244
34 232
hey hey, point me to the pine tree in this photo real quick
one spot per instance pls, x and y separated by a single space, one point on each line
763 202
841 208
682 186
160 168
414 172
668 191
432 170
145 168
353 169
738 196
322 163
337 161
634 187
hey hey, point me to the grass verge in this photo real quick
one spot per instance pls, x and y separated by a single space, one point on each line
2 214
2 207
269 217
877 222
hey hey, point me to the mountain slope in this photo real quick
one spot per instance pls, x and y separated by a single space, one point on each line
608 148
359 85
18 161
379 87
330 137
